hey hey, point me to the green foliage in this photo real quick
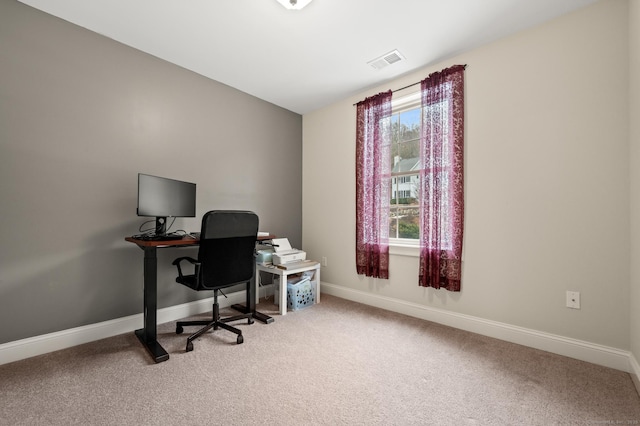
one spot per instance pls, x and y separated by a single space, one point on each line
409 230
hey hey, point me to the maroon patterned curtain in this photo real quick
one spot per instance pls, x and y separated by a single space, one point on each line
373 170
441 179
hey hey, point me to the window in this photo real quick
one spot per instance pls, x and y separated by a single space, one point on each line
410 178
404 206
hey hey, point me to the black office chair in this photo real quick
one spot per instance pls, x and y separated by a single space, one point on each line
225 258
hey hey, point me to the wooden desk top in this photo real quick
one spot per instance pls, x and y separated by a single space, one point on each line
185 241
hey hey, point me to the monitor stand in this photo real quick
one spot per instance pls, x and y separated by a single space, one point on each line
161 226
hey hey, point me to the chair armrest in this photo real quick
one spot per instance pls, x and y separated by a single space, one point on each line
191 260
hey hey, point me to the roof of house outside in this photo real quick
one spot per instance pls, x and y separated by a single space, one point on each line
406 165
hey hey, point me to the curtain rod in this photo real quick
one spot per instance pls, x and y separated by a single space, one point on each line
406 87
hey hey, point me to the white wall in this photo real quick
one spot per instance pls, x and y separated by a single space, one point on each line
547 183
634 113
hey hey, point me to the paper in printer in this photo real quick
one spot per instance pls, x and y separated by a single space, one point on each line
283 253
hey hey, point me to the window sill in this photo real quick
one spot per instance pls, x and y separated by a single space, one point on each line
412 250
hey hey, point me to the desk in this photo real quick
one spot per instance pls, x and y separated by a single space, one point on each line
282 274
148 334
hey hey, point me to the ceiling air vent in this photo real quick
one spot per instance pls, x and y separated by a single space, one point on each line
386 60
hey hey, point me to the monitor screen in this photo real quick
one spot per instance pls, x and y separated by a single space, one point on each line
163 197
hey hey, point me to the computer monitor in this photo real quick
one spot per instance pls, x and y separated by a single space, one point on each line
161 198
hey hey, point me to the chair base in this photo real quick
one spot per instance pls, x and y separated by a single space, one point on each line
215 323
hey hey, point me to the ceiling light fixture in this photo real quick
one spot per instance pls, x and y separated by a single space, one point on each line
294 4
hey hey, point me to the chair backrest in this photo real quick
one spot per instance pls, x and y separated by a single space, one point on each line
227 246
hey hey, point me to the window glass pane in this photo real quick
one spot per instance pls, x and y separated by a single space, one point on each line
409 150
404 189
405 135
404 222
404 209
409 125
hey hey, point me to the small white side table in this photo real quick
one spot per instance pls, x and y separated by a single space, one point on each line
283 273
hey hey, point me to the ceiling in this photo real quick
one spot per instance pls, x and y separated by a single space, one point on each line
305 59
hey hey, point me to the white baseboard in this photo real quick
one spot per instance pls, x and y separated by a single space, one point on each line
38 345
573 348
578 349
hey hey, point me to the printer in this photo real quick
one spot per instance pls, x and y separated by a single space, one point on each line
283 253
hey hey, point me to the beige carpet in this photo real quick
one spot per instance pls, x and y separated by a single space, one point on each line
334 363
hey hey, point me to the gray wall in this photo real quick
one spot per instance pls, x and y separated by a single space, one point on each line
80 116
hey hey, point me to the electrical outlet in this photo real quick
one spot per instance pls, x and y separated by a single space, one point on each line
324 261
573 299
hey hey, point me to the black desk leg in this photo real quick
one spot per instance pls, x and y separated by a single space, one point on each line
148 334
251 303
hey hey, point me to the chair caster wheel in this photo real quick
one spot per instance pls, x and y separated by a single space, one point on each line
179 329
189 346
240 339
250 321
